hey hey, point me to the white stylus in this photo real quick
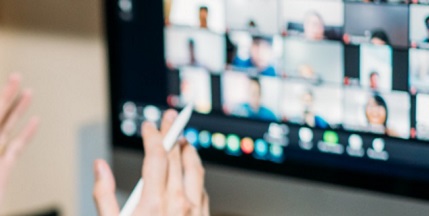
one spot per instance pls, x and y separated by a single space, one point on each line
169 141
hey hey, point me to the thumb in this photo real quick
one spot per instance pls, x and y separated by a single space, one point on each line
104 190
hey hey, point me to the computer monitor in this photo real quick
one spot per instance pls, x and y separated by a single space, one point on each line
325 90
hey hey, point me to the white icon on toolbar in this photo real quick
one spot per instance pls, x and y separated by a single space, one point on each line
355 142
355 148
152 113
129 109
306 135
125 5
378 145
278 130
129 127
378 152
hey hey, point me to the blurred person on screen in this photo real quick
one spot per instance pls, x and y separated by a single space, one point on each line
307 73
253 109
421 70
426 40
310 118
14 102
203 17
261 54
231 49
253 27
379 37
192 53
377 113
374 80
314 26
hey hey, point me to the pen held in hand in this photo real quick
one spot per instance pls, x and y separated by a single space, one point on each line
169 142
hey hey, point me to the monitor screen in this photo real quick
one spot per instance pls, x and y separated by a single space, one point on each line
326 90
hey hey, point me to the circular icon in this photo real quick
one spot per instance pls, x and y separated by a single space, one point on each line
125 5
204 138
152 113
191 136
306 135
233 143
378 145
355 142
128 127
218 141
261 147
129 109
247 145
276 151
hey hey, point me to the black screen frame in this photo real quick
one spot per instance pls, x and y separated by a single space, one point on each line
396 186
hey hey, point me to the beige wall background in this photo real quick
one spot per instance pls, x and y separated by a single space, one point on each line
58 47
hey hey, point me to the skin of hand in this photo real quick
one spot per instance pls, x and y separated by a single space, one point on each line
14 102
174 181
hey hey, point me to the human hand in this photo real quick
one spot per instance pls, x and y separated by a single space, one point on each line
174 182
13 104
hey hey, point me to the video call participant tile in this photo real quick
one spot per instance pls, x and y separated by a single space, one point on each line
186 46
255 54
313 19
381 24
419 26
314 106
254 16
316 62
379 113
251 97
203 14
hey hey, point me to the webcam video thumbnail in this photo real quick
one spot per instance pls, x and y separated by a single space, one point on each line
422 117
380 113
314 106
381 1
194 86
419 70
250 97
316 62
189 47
419 26
203 14
376 67
254 54
313 19
254 16
381 24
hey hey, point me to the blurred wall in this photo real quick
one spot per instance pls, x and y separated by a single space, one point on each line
58 47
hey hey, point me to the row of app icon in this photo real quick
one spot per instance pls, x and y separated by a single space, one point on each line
270 147
132 116
234 145
330 143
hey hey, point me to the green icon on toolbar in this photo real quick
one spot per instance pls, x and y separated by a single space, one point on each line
330 137
233 143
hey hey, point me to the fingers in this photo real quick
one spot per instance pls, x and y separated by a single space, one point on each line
8 94
175 171
167 121
155 162
104 190
193 175
24 137
15 113
206 205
